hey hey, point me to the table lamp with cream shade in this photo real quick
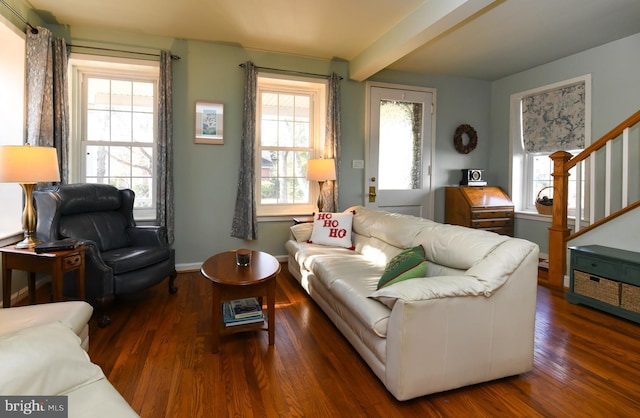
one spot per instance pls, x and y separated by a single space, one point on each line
321 170
28 165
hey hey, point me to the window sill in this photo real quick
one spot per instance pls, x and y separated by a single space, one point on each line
535 216
532 216
11 239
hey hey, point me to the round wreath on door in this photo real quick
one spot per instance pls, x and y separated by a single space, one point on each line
458 140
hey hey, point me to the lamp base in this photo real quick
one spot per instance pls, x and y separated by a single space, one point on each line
29 242
320 203
29 219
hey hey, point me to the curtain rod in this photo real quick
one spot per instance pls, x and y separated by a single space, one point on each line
33 29
289 71
173 57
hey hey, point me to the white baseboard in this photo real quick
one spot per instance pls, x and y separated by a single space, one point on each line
24 292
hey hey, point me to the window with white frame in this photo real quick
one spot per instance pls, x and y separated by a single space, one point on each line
290 131
545 120
12 121
115 118
540 181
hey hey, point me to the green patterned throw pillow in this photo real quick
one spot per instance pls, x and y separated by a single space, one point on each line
409 264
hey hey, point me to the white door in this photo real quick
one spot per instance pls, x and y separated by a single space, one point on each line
399 149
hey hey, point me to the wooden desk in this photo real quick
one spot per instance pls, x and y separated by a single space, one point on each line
231 281
480 207
54 263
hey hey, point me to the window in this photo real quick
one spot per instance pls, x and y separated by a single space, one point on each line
12 121
538 185
543 121
115 138
290 131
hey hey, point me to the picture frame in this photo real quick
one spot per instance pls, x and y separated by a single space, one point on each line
209 123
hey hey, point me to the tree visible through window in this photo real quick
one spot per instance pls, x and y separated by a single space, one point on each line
289 134
117 141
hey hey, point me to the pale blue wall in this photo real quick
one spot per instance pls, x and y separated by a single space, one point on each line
615 96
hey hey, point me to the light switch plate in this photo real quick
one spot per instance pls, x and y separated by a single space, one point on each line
357 164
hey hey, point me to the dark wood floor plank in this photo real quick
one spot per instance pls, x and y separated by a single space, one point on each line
157 353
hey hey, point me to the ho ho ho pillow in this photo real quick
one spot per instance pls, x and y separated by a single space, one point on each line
332 229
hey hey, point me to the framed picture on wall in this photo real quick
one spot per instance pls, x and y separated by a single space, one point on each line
209 123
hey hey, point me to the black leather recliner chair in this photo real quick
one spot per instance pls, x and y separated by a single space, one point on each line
121 257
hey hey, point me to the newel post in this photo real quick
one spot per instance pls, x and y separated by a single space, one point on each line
558 232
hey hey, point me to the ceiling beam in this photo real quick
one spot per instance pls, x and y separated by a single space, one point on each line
430 20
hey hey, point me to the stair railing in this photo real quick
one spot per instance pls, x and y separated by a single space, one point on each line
559 233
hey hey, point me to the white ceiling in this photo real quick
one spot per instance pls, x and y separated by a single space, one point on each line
484 39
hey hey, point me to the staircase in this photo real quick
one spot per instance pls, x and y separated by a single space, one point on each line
609 186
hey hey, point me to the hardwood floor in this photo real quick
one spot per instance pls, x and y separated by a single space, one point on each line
157 353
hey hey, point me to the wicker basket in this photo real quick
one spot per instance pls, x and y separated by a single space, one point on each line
543 209
596 287
630 298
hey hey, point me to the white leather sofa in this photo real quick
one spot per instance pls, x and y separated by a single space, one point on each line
44 352
470 320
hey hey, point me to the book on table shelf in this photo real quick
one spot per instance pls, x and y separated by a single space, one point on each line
246 308
231 321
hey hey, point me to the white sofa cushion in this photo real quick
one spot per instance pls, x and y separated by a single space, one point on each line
74 314
426 288
438 241
391 228
44 360
336 274
305 253
302 232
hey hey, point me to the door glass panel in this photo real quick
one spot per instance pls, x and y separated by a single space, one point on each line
400 145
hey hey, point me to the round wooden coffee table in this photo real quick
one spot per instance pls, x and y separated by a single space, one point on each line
231 281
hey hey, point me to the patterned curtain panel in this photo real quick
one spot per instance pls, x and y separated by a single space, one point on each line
39 57
245 223
332 142
165 204
554 120
61 106
47 95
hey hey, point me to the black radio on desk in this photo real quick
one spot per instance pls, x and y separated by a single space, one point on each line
472 177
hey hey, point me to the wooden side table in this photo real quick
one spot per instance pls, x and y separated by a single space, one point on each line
54 263
302 220
231 281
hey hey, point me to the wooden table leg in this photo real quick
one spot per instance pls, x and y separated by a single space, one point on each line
215 316
6 284
31 284
56 280
82 284
271 312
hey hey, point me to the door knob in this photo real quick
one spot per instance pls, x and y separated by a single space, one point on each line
372 194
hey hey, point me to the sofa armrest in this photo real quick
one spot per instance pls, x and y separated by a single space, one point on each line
428 288
148 236
446 343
